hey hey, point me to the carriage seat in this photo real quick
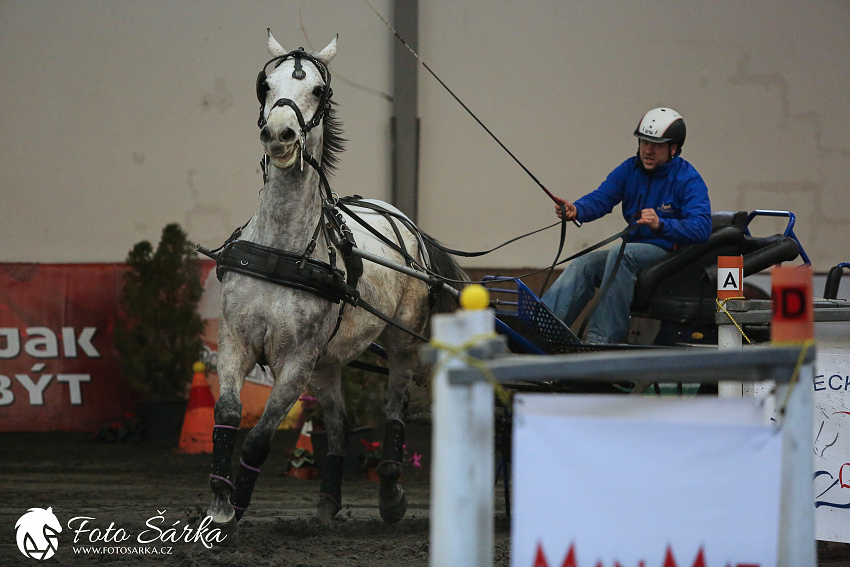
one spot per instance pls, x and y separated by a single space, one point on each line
683 285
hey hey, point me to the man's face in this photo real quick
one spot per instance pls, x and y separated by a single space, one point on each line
653 154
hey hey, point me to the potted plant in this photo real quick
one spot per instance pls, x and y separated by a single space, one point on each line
302 464
159 329
373 455
412 464
126 430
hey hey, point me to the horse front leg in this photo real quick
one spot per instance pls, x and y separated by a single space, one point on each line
233 367
328 389
286 390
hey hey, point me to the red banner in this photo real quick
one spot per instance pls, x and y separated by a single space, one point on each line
59 370
58 367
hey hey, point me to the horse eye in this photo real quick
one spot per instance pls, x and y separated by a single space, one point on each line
318 92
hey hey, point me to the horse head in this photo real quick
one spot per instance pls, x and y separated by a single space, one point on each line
294 97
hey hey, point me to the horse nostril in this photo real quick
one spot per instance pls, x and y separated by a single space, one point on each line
287 135
268 135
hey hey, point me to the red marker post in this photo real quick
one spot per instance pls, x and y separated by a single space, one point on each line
730 277
793 325
793 307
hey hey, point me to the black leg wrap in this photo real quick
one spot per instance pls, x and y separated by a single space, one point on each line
224 441
241 497
332 481
393 450
394 440
392 503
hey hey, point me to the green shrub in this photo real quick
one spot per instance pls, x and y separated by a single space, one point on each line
159 329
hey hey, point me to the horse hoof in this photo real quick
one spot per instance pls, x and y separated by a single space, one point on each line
327 509
393 506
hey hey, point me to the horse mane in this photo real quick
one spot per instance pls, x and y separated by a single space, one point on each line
332 141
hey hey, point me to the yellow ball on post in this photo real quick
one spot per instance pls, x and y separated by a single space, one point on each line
198 367
474 297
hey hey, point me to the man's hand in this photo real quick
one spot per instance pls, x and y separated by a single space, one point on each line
649 218
570 208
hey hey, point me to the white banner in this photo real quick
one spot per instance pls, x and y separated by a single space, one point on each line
619 481
832 446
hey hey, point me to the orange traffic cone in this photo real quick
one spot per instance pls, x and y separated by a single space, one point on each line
197 433
305 440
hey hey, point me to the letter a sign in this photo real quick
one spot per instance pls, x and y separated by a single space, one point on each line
730 277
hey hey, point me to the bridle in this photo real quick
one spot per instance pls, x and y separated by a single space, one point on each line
305 127
325 279
299 74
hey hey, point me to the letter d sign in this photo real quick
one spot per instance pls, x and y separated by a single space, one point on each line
793 309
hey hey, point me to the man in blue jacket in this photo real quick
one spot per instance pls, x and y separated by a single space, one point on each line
666 201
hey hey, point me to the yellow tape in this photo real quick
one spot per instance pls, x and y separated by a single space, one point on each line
796 374
721 306
477 363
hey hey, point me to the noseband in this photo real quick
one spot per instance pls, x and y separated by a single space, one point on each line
299 74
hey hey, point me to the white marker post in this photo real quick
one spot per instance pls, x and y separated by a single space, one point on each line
463 461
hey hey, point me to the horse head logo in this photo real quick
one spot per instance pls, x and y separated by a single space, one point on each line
37 533
832 453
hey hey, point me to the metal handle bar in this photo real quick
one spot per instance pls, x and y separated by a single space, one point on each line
789 228
833 280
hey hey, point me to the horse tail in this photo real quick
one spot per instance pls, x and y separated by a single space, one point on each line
444 265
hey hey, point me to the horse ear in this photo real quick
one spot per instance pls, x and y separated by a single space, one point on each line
274 47
328 52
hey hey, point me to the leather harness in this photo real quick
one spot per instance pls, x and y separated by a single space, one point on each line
286 268
301 271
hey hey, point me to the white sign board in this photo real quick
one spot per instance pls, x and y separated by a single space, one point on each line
831 446
729 279
622 480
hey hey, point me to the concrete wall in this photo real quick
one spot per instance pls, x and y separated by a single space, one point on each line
119 117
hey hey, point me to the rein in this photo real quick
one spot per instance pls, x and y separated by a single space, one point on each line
324 278
332 201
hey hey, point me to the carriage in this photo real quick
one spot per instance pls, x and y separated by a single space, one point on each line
676 294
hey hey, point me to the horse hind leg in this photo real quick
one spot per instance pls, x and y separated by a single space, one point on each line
403 362
328 389
392 502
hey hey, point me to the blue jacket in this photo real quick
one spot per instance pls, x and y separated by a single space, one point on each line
675 190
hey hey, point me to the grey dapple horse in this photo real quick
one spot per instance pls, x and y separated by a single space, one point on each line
302 337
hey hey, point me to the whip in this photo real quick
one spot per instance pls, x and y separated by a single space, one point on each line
467 109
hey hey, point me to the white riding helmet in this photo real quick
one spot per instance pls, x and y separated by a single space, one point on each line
662 125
